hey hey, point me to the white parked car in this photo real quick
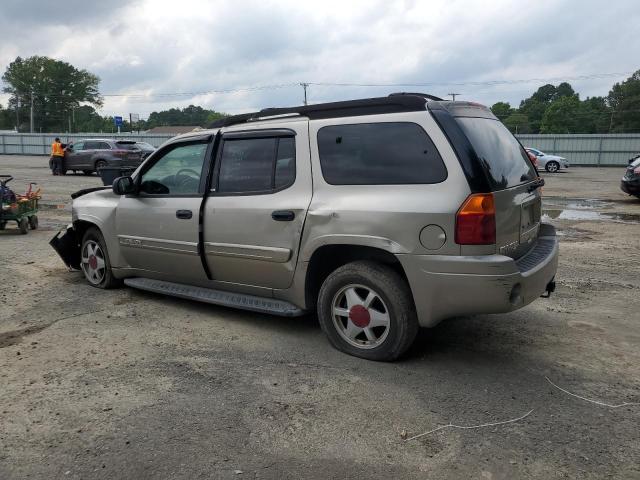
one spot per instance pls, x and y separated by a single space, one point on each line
551 163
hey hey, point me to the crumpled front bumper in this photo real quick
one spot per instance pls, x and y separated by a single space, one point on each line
67 245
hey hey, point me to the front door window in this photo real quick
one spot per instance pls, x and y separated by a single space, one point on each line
177 172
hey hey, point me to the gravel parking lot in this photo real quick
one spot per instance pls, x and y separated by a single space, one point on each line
126 384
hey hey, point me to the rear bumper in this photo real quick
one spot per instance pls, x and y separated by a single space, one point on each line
445 286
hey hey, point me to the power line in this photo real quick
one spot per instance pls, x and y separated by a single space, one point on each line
594 76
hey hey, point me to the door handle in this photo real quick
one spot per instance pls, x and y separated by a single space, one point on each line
184 214
283 215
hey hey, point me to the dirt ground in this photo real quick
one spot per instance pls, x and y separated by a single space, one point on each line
126 384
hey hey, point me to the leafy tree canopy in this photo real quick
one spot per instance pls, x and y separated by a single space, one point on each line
56 88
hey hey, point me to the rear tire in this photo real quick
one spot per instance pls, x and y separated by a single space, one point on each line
100 164
366 310
23 225
552 166
94 261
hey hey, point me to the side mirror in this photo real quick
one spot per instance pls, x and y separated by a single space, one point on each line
124 186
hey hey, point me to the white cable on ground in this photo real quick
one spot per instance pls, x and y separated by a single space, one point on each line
625 404
450 425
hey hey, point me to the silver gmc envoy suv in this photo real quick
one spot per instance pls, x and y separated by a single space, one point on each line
383 215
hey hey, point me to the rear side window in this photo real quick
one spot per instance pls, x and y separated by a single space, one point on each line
503 158
255 165
379 154
127 146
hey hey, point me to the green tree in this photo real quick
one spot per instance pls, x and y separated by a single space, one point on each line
517 123
56 88
501 110
561 116
624 99
564 90
191 115
594 116
5 119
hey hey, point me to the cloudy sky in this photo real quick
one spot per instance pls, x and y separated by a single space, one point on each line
156 54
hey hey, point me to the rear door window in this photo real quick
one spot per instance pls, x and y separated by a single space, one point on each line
503 158
257 165
379 154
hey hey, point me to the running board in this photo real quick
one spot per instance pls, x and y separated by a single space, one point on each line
217 297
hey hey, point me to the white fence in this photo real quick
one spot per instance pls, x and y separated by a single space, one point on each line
596 150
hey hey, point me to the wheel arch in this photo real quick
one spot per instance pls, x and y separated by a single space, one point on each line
82 224
327 258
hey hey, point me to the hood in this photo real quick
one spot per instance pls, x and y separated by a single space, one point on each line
84 191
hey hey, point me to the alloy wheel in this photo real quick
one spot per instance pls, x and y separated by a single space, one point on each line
93 262
360 316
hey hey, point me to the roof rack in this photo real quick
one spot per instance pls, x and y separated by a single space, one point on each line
394 103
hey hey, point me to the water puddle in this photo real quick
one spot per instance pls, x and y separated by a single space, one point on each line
587 209
578 203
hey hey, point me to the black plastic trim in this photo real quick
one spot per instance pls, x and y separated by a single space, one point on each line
350 108
260 133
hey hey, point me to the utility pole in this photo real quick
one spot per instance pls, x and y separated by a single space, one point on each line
31 123
304 85
17 114
73 117
611 122
453 96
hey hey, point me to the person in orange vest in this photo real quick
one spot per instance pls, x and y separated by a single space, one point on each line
57 155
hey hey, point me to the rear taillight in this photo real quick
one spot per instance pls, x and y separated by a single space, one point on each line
476 220
120 153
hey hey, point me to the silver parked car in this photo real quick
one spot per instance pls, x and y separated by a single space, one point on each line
551 163
383 215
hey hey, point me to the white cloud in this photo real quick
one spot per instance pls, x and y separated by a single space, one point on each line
156 46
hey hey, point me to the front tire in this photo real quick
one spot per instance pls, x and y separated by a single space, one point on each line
94 261
552 166
366 310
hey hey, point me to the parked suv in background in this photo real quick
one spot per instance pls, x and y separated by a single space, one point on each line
551 163
382 214
91 154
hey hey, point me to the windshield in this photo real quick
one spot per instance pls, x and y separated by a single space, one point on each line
504 160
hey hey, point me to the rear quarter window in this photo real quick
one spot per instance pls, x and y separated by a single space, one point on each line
379 154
